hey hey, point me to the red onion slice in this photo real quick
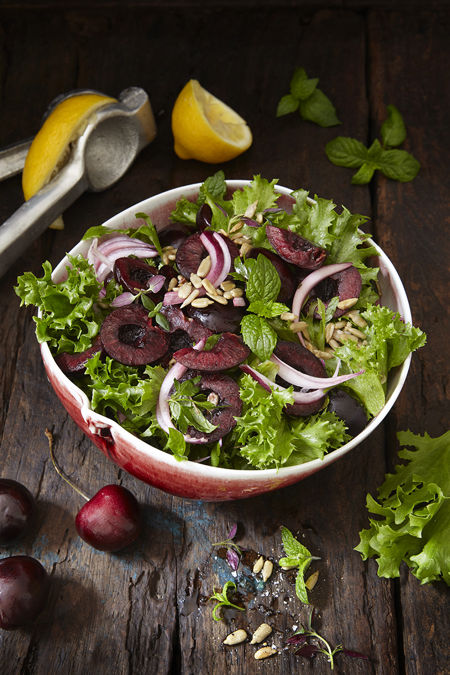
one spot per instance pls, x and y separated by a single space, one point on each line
299 379
123 299
226 259
162 407
299 396
102 256
220 257
312 280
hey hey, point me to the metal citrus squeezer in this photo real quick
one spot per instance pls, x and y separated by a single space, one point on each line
100 156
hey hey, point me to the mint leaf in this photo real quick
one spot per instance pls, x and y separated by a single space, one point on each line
399 165
263 281
299 556
150 230
301 86
258 335
286 105
269 310
346 151
393 130
319 109
364 174
176 444
185 211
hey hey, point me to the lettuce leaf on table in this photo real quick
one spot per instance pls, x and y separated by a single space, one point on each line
413 509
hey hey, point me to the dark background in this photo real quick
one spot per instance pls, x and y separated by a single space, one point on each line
144 610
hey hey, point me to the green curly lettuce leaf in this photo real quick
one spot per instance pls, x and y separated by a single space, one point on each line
70 317
413 510
270 439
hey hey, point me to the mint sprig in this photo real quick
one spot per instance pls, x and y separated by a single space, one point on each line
222 600
393 163
312 104
297 555
262 288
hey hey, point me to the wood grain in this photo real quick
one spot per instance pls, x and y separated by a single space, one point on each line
146 610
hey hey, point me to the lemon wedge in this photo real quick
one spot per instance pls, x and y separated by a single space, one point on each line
205 128
50 148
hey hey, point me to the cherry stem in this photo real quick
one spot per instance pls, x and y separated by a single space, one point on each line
58 470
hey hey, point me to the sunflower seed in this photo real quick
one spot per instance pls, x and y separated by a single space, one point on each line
190 298
171 257
265 652
346 304
195 280
238 293
261 633
357 319
220 299
324 355
201 302
209 288
329 330
312 580
245 248
236 637
355 331
288 316
259 218
227 285
227 295
333 343
238 226
172 284
251 210
204 267
185 290
267 570
342 336
257 567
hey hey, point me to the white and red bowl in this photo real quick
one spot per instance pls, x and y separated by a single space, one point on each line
190 479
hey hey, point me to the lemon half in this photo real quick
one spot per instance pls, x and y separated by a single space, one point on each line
205 128
50 148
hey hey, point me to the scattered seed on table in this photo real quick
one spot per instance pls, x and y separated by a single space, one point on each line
236 637
265 652
267 570
312 580
261 633
257 567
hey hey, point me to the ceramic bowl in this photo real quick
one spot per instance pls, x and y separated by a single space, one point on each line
190 479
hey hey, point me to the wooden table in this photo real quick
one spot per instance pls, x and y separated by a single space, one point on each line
145 610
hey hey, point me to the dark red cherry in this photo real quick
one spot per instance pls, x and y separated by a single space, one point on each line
228 404
295 249
74 364
16 510
348 409
345 285
218 318
174 235
133 274
129 337
24 586
228 352
110 520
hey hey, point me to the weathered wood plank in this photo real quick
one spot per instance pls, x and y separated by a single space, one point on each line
412 223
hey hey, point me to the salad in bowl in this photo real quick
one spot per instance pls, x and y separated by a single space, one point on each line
226 338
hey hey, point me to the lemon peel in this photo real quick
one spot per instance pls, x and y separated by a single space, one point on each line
50 148
205 128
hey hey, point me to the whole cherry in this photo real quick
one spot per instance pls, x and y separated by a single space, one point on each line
111 519
24 586
16 510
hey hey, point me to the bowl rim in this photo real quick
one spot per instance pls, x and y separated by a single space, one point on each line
204 470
